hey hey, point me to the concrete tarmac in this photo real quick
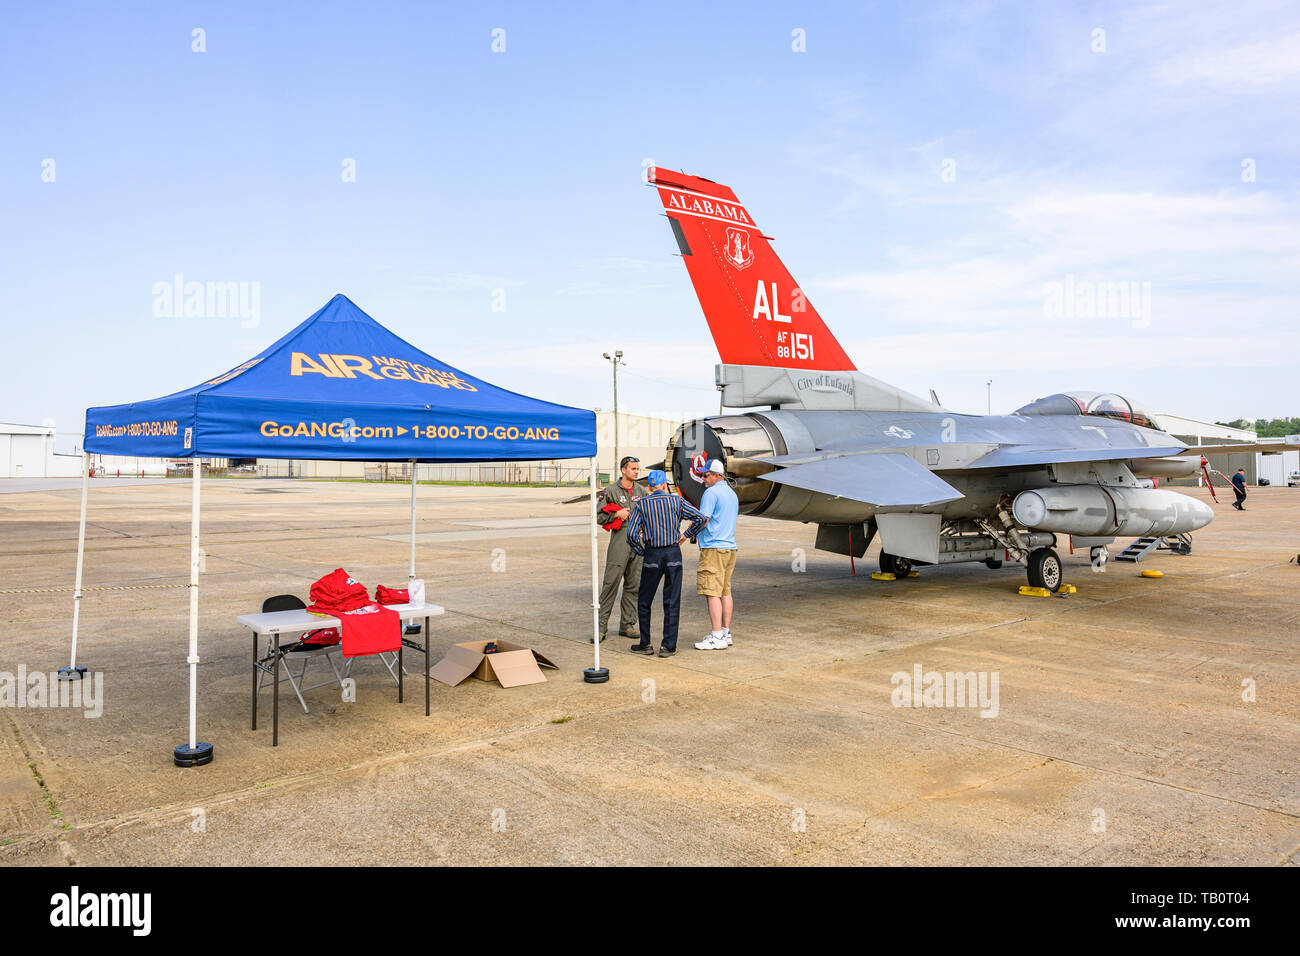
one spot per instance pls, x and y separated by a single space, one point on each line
1138 721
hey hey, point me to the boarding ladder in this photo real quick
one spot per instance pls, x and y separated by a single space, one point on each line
1139 549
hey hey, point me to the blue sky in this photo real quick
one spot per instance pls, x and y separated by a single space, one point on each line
928 170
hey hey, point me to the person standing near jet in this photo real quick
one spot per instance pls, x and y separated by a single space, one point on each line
655 530
717 555
1239 489
622 564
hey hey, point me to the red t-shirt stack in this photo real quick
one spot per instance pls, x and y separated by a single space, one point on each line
367 627
392 595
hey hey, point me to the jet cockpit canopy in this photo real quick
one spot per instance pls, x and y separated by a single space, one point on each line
1104 404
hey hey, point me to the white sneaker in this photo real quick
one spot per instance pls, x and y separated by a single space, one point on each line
711 643
726 637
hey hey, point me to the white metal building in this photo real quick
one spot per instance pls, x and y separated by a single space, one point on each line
641 436
1279 468
27 451
1209 433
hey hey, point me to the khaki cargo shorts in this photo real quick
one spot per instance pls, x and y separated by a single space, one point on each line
713 578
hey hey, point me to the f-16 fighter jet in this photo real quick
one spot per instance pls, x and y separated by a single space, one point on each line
861 458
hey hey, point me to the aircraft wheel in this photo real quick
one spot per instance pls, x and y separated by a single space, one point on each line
1045 569
893 564
992 563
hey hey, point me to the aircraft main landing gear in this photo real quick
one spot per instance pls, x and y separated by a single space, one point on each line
1044 569
895 564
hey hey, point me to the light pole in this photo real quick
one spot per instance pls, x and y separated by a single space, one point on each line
616 360
989 386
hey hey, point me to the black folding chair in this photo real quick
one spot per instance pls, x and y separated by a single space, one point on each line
302 650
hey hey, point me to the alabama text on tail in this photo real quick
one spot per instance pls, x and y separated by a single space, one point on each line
756 311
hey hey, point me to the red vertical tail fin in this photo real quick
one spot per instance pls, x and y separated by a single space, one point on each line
756 312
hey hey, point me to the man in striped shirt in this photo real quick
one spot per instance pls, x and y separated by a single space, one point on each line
655 531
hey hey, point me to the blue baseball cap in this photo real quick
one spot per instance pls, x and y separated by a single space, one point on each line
656 477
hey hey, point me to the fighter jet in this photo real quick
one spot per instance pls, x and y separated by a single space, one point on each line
821 442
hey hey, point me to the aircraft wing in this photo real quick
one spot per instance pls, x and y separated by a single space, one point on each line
886 480
989 455
1015 456
1269 446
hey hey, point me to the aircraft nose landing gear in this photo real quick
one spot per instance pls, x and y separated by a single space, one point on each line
1044 569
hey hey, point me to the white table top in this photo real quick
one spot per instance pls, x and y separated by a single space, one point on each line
292 622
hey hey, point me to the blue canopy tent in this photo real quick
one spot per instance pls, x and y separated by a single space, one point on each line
339 386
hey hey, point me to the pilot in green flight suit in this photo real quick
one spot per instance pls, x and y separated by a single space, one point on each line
622 565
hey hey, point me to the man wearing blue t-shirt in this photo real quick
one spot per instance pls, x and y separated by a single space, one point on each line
655 531
717 555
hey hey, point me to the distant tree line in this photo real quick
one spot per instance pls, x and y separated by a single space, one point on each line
1267 427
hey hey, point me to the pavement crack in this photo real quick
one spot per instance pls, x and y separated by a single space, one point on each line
51 804
984 783
1289 859
1128 775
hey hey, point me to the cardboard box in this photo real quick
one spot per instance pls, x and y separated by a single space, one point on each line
513 665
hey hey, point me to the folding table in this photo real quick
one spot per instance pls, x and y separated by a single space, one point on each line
276 623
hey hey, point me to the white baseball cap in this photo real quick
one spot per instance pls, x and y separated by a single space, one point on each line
716 467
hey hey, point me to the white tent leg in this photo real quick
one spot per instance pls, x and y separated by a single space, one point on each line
195 754
72 671
595 674
411 576
194 601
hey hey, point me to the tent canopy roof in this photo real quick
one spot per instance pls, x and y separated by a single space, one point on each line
341 386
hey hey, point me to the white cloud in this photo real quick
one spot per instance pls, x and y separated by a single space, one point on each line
463 281
659 358
1248 67
1214 261
1102 344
